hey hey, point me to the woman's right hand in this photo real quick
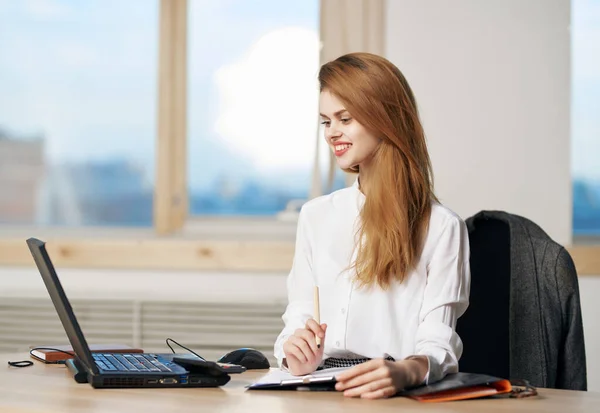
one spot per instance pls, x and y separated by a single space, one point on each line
301 353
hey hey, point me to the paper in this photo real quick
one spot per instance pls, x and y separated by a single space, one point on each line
277 376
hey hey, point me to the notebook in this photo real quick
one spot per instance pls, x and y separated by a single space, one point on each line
282 380
117 370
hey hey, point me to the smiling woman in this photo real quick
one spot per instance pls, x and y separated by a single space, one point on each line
385 254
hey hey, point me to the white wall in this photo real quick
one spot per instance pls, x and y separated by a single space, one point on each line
128 284
492 79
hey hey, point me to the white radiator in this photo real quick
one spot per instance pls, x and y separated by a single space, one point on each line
210 329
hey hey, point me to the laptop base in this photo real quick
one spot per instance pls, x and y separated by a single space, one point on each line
107 381
194 379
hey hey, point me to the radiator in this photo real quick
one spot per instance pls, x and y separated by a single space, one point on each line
210 329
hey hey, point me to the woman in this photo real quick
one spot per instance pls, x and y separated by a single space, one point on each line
391 263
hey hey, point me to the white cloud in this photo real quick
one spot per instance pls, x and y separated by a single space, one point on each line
268 101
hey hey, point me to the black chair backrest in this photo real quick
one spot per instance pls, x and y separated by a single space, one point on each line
484 328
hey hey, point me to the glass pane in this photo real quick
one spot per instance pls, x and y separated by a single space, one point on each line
585 122
253 104
77 111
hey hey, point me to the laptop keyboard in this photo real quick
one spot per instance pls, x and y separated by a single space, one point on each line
129 362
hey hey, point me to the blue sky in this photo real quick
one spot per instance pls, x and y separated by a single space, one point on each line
85 75
82 75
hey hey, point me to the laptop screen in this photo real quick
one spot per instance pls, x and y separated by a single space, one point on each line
61 303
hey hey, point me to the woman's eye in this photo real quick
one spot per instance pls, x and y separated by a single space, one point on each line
325 122
346 120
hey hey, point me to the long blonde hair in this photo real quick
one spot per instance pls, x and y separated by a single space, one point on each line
395 215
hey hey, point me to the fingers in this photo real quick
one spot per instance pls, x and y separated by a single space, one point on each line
375 389
360 370
373 379
368 377
317 329
302 345
379 394
307 336
292 351
301 349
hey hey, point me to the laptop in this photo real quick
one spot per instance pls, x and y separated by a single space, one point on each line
119 370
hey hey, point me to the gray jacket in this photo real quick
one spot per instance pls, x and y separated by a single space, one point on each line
546 330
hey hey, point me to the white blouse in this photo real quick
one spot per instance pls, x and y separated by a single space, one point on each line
415 317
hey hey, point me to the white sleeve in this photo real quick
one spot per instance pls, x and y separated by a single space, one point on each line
446 298
300 287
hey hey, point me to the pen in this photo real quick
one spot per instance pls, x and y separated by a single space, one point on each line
317 313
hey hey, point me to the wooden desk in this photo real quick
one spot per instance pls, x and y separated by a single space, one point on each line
50 388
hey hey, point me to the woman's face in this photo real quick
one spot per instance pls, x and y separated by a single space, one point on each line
350 142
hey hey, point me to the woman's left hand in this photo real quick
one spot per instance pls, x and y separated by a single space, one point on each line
377 378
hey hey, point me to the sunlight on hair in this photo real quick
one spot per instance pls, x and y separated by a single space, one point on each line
268 100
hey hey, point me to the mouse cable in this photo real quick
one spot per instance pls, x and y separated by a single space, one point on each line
182 346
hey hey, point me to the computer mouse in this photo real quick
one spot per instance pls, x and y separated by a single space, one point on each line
247 357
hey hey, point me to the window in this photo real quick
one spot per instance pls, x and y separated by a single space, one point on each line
253 105
87 138
77 112
585 123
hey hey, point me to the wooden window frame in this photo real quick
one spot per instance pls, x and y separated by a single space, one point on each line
170 193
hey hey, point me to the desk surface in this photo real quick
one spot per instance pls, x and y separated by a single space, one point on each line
50 388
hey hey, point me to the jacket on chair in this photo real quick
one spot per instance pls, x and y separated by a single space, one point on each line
546 343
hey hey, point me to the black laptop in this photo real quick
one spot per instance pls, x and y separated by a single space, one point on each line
118 370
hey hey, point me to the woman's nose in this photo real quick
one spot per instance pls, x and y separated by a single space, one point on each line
332 132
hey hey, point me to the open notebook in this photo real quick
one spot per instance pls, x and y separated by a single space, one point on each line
282 380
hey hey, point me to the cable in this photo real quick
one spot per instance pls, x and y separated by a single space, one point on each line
22 363
182 346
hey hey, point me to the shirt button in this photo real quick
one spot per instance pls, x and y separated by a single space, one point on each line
337 343
343 311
